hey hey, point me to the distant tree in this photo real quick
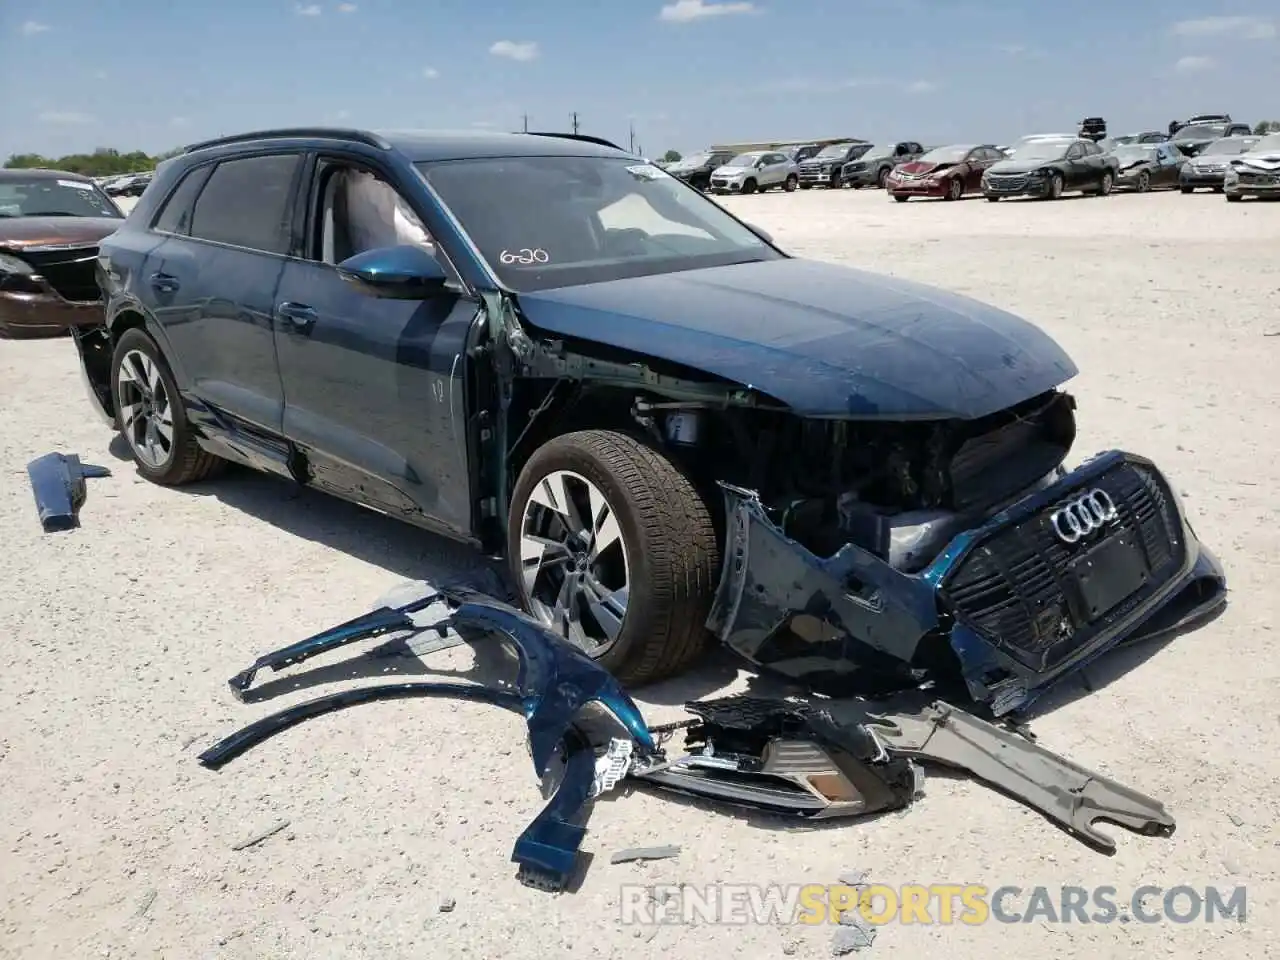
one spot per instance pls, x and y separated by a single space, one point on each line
671 156
1267 126
103 162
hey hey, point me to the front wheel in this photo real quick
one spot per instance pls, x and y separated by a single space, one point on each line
749 186
151 417
613 548
992 199
1144 182
1105 184
790 185
901 197
955 189
1234 198
1055 187
882 177
1187 189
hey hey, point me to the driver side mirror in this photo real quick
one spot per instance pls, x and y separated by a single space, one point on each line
404 272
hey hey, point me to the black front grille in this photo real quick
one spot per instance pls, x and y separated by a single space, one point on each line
1013 586
69 272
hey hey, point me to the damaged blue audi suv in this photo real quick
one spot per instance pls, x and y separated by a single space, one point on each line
668 426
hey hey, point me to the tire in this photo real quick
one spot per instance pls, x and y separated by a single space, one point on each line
1055 187
1218 190
805 186
881 177
1234 198
667 547
955 189
1105 185
991 199
792 182
1144 182
901 197
174 462
748 186
835 183
1187 189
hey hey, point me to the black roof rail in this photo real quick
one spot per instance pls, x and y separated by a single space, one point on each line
281 133
584 137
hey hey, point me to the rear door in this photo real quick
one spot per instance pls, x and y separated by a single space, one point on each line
1078 171
214 281
373 387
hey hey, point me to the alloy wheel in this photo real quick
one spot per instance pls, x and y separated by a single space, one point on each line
573 561
955 189
146 413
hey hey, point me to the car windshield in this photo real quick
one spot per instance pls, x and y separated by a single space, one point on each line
834 151
54 197
1227 146
1043 149
946 154
744 160
1201 131
879 150
543 222
697 160
1267 144
1133 151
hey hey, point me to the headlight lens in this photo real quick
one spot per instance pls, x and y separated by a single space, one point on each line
10 264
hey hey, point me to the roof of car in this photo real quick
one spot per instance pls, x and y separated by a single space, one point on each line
40 174
427 145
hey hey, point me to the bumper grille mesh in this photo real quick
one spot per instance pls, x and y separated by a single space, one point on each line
1012 587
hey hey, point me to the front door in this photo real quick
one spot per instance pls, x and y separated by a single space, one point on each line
373 387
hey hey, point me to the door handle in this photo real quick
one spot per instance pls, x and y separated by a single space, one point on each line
164 283
300 315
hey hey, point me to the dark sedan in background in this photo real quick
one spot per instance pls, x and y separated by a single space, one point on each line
1049 168
50 225
1194 138
947 172
1208 168
697 169
1148 166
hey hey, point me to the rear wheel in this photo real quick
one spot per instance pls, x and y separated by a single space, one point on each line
955 189
790 185
151 417
1105 184
881 177
613 548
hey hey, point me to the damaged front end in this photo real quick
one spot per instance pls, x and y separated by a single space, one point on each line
1023 597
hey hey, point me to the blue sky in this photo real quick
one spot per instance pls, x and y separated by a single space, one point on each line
152 75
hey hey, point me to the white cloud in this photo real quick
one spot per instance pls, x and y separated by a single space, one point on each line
1238 28
307 10
686 11
523 50
31 28
69 117
922 86
1193 64
347 8
430 72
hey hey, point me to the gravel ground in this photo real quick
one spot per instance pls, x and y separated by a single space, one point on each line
120 637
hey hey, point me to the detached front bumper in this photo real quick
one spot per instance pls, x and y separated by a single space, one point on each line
1017 606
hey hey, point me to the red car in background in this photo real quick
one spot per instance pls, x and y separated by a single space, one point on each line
947 172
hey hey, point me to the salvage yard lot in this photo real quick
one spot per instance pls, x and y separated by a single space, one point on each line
119 638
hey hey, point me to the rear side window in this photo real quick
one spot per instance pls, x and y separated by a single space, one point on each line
246 203
175 215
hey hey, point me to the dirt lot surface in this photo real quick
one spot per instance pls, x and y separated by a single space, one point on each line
119 638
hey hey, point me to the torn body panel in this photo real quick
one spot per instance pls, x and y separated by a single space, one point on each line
554 683
58 483
854 757
1019 606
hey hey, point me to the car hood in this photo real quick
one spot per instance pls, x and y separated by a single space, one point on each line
1015 165
827 340
730 171
19 232
1263 159
916 167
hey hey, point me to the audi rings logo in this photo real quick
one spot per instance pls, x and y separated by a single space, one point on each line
1082 516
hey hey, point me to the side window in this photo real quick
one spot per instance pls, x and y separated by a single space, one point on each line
175 212
360 211
1075 152
246 203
